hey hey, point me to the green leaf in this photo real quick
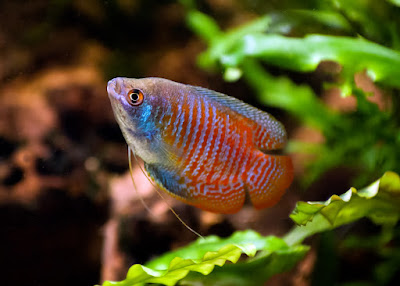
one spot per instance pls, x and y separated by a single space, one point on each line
281 92
203 25
254 271
220 42
203 255
305 54
200 247
379 202
373 20
365 140
301 22
179 267
394 2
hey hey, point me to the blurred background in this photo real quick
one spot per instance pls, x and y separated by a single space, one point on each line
68 211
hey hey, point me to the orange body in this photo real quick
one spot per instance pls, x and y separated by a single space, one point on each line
210 150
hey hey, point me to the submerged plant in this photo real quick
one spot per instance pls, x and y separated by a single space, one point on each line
361 38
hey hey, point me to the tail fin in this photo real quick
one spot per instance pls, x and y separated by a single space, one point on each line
268 178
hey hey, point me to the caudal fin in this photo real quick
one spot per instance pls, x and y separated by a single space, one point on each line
268 178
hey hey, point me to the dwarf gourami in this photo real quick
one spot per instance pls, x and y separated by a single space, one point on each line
203 147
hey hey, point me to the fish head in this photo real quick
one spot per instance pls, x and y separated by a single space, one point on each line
134 102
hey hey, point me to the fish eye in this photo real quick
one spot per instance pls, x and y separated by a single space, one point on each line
135 97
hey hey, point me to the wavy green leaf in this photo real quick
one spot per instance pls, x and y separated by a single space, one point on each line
253 272
201 246
355 55
305 54
379 202
203 255
179 267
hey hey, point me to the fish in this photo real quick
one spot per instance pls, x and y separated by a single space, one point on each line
205 148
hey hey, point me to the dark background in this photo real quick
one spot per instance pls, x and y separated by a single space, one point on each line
64 216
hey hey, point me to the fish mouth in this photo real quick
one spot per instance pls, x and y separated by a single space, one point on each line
114 88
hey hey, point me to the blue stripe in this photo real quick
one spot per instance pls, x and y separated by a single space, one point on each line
203 132
196 131
217 144
181 119
189 126
239 148
225 147
177 118
231 159
246 156
262 172
169 113
206 150
271 173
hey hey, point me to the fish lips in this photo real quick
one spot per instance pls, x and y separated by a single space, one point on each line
114 88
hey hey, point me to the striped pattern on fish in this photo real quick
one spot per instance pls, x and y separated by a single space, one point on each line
203 147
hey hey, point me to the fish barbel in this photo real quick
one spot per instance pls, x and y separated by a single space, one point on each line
203 147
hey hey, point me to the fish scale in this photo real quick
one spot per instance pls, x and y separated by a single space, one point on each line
199 139
183 141
210 163
203 147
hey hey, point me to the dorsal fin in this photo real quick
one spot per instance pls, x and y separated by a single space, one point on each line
271 134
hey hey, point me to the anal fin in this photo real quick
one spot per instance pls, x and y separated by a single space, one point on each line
225 198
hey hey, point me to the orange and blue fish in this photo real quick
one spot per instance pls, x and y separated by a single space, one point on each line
203 147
